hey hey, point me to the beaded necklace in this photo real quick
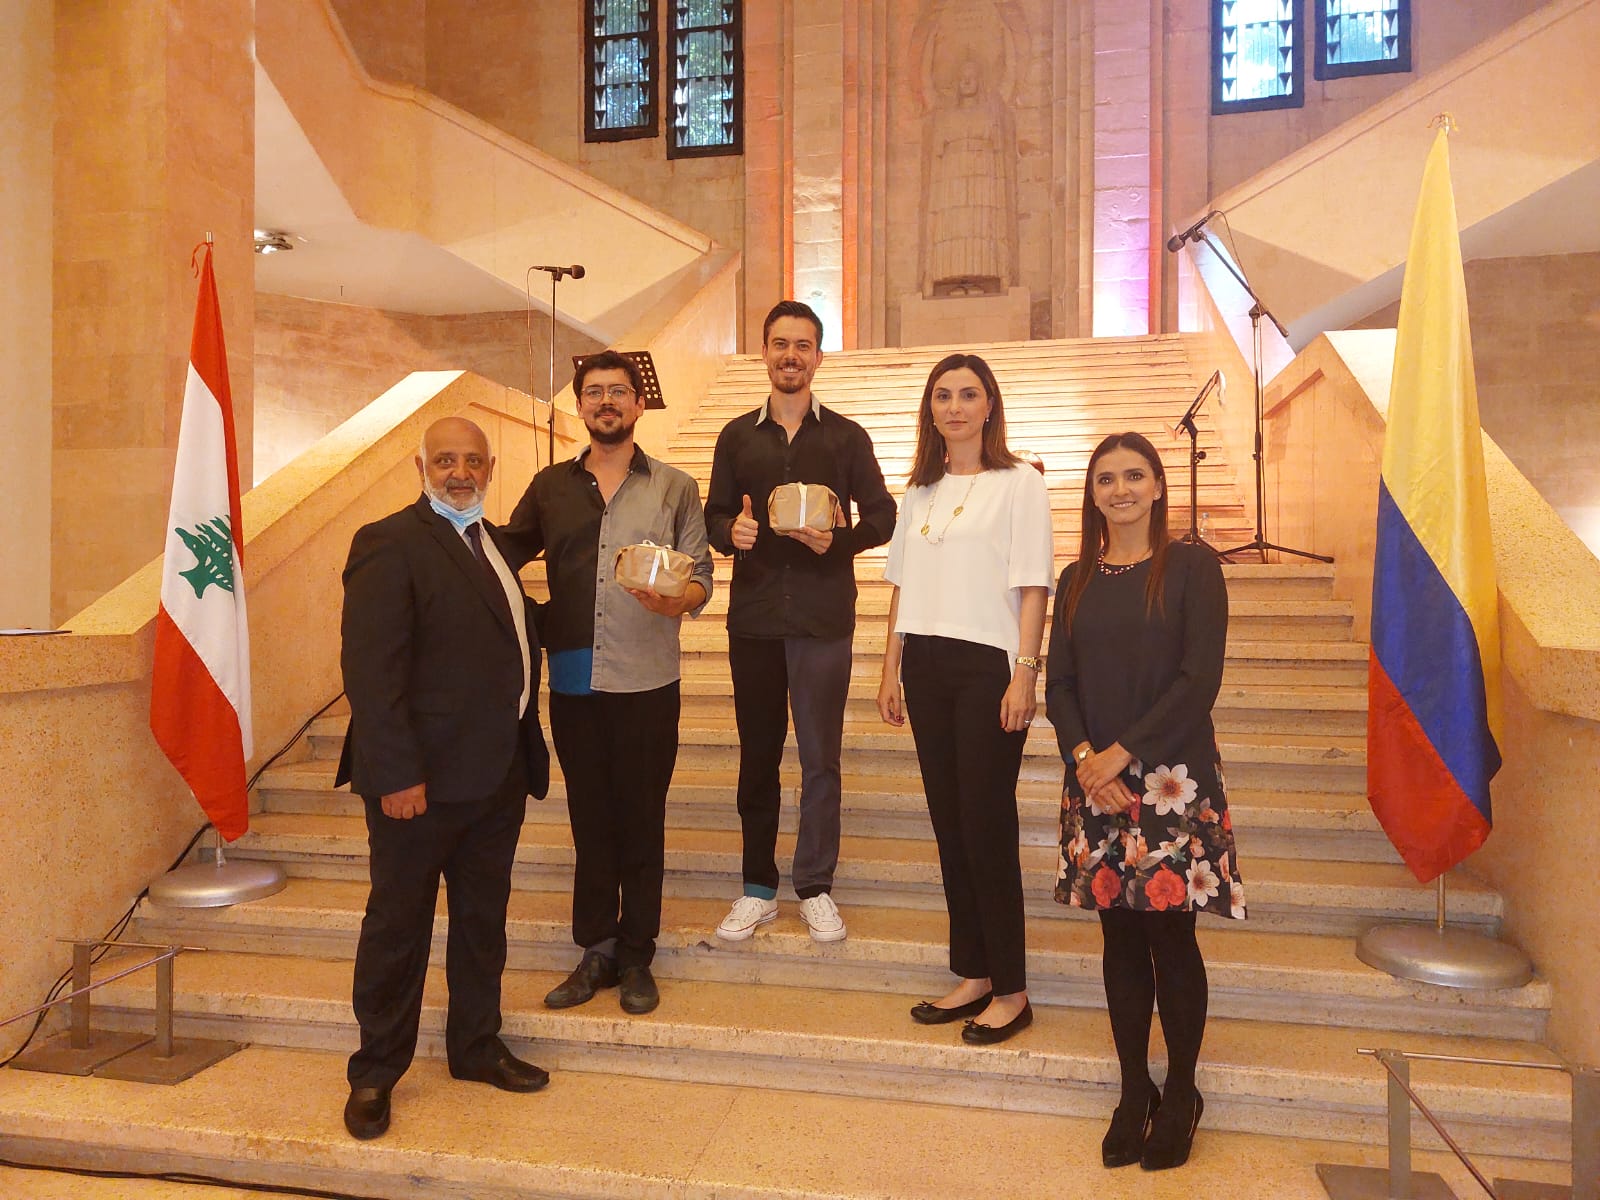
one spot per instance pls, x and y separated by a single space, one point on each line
1118 568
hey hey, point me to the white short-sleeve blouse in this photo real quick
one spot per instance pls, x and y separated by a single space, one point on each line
960 579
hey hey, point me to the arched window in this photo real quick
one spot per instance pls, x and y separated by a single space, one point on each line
705 56
619 87
1255 55
1362 37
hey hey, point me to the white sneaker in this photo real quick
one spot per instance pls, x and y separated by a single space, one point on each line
747 912
822 915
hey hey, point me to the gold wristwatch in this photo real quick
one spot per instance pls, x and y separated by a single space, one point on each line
1081 754
1029 660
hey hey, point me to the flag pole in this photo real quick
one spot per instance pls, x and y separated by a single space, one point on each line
200 679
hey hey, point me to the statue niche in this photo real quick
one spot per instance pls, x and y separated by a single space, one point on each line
969 153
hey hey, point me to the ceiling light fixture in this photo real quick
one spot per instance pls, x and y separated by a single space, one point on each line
273 241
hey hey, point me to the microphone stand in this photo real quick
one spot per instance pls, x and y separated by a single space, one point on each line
555 278
1257 310
1196 456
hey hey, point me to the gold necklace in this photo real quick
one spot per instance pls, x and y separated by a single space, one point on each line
927 518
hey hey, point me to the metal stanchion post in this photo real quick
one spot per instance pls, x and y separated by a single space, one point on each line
82 961
1399 1125
1585 1133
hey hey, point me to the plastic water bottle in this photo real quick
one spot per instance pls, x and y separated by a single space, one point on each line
1205 525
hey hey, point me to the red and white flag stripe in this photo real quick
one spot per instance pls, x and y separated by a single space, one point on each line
200 699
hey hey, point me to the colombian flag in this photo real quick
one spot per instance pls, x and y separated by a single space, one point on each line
1433 684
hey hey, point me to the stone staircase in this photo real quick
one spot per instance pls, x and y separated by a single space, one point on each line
827 1025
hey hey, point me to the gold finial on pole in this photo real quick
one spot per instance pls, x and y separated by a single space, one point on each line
1445 121
209 238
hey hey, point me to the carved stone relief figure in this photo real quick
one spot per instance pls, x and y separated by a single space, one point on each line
969 157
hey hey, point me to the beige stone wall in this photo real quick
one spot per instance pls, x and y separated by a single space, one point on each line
27 112
1048 171
1243 143
319 363
390 36
520 67
155 147
1536 347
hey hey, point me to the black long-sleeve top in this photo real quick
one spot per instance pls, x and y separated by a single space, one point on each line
782 588
1145 681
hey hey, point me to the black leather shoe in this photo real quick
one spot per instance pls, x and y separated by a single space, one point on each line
366 1113
1172 1133
506 1072
639 992
929 1013
594 972
1130 1126
975 1034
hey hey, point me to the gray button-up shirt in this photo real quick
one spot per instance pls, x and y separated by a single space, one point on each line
563 514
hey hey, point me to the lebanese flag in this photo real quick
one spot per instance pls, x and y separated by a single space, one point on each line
200 698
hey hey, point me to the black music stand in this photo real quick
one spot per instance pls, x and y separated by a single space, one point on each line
1196 456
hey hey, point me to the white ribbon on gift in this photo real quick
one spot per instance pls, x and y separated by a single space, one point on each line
657 561
802 520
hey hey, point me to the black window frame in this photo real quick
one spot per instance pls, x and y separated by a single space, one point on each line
1297 95
1401 64
650 41
735 28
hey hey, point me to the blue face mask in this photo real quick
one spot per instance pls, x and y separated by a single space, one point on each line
459 517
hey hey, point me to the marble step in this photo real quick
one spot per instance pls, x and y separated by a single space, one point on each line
1273 824
270 1117
1294 895
1252 761
1258 1076
1298 979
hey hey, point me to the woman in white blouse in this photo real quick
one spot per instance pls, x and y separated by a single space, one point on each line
971 561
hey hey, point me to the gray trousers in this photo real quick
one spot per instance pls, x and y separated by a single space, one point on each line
771 675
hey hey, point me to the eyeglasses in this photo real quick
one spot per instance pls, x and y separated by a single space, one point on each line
617 391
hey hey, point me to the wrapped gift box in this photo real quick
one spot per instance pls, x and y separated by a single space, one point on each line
802 506
647 567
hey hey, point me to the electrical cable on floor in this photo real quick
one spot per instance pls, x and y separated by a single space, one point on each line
121 923
273 1189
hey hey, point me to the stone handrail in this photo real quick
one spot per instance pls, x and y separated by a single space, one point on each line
406 160
1324 231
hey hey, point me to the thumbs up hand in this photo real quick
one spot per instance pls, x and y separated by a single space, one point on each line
744 529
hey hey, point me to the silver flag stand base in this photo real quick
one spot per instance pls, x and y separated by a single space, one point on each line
1445 957
217 883
1375 1183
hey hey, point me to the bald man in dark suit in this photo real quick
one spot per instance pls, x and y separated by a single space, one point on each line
441 666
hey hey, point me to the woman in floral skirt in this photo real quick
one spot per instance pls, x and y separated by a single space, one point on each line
1134 667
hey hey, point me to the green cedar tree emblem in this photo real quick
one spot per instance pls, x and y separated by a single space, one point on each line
212 547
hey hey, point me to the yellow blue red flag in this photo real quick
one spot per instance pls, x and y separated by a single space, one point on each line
1433 689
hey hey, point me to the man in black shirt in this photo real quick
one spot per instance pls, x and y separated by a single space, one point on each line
791 614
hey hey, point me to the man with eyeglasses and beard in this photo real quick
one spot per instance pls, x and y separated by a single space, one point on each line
441 665
614 696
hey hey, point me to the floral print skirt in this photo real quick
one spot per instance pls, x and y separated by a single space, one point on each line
1173 850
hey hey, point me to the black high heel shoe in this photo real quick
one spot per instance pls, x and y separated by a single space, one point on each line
1130 1126
1171 1134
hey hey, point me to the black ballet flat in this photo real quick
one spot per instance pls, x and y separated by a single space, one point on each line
929 1013
976 1034
1130 1126
1171 1135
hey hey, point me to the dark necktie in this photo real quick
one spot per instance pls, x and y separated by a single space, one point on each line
475 536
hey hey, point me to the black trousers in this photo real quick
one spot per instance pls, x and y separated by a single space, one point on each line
472 846
969 772
617 751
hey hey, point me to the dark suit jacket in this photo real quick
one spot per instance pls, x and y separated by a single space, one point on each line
431 666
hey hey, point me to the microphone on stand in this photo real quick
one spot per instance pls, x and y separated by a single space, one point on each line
558 273
1188 235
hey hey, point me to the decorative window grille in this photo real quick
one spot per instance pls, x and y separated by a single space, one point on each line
1255 56
620 90
705 55
1362 37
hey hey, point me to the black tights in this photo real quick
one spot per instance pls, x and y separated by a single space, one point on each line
1151 956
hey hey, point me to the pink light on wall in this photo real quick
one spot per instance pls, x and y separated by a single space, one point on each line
1123 169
